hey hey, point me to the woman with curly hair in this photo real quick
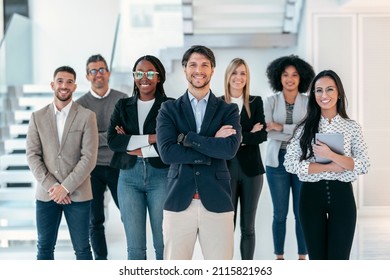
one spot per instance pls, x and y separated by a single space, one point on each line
290 78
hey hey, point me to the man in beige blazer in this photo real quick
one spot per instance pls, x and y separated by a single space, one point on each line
62 144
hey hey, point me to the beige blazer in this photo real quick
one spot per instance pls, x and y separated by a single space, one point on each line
69 163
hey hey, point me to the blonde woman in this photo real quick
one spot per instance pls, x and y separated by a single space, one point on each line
246 168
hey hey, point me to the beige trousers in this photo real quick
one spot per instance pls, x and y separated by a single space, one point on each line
215 232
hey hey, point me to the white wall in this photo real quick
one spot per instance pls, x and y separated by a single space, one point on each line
1 20
68 32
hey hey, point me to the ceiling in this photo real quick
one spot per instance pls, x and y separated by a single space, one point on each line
232 23
251 23
241 17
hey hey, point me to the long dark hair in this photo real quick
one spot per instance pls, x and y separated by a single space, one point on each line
159 68
311 121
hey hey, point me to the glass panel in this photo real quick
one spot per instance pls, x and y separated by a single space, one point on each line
16 53
146 28
15 66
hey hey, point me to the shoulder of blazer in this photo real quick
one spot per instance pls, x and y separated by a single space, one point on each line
255 98
79 108
129 101
48 107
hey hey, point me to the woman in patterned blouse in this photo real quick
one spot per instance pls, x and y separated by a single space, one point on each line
327 204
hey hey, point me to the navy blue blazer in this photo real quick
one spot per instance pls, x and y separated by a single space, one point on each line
126 115
248 154
202 166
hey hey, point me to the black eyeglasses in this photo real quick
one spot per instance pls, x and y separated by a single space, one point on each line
101 70
138 75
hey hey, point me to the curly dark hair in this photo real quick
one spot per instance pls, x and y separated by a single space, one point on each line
311 121
159 68
275 69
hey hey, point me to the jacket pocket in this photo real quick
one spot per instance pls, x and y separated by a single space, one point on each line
172 173
222 175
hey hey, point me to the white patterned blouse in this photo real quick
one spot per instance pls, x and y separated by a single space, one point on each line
354 147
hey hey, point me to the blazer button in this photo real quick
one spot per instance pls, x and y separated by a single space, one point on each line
197 173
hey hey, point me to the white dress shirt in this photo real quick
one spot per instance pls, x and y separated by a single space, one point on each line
142 141
61 117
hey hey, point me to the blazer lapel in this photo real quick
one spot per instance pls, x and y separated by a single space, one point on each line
69 120
188 112
51 117
209 114
132 115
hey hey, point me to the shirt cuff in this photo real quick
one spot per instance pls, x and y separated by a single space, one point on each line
149 151
65 189
304 168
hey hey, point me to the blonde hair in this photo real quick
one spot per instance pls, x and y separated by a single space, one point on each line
236 62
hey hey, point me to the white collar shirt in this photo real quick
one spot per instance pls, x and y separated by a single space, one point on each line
61 117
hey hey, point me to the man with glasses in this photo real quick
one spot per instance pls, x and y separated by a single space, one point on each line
101 99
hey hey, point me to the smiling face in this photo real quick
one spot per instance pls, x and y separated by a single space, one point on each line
290 79
198 73
98 80
238 80
64 85
147 87
326 95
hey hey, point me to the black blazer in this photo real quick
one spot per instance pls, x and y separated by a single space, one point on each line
201 166
126 115
248 154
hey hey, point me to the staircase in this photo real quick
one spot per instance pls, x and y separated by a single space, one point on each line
17 184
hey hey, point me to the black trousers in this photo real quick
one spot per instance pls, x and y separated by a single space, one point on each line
101 178
328 218
246 190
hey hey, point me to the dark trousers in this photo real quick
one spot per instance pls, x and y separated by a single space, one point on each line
328 217
101 178
48 217
246 190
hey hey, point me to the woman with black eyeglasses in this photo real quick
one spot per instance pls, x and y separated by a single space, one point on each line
142 177
327 206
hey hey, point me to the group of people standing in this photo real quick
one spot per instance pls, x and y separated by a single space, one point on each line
189 162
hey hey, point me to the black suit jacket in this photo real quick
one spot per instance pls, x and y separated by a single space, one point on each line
126 115
201 166
248 154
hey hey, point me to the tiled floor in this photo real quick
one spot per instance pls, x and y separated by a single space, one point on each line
372 239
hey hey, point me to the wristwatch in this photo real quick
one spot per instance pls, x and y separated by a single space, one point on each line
180 138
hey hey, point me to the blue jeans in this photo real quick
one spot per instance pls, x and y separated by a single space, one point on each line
101 178
142 188
49 214
280 182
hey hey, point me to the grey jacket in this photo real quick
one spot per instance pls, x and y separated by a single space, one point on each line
275 111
